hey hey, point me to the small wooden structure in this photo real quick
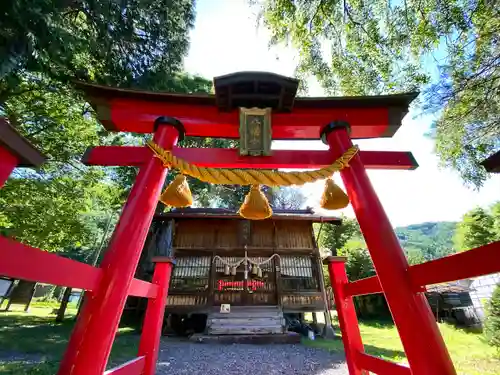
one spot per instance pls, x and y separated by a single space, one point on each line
452 302
492 163
224 259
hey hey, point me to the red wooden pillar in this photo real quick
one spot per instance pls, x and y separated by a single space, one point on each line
92 338
348 321
153 320
422 341
8 162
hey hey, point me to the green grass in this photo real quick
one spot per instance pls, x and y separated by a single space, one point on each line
470 354
37 336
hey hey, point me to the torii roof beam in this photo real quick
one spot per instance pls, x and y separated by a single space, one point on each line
126 110
230 158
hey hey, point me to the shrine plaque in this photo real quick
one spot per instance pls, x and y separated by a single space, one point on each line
255 131
225 308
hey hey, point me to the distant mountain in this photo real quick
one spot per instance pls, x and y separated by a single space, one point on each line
433 240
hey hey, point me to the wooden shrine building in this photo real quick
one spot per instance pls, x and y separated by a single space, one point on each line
224 259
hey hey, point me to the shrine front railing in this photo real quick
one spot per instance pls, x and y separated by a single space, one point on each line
300 284
190 282
200 281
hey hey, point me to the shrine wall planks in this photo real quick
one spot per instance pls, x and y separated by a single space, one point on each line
221 258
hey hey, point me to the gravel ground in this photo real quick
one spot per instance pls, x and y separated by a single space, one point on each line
185 358
13 356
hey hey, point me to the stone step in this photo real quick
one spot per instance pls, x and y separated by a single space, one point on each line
251 307
247 324
234 309
247 314
255 330
247 321
236 326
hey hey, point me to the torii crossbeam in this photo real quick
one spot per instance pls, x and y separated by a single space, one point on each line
135 156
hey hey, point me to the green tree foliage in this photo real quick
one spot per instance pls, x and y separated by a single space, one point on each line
356 47
55 119
415 256
475 229
359 263
56 211
427 241
62 205
420 242
335 237
492 322
346 240
125 43
44 45
495 213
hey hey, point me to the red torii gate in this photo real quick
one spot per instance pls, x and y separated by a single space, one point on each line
15 151
335 120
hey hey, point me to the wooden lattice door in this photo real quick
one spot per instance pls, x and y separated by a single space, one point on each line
238 290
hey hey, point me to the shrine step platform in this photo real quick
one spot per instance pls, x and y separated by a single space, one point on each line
262 339
247 320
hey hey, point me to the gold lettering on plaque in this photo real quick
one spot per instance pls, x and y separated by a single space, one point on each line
255 131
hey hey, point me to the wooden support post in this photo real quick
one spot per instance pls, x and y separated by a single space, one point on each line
328 332
153 319
32 294
348 321
315 320
277 268
211 283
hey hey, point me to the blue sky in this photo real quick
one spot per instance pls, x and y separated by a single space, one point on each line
226 40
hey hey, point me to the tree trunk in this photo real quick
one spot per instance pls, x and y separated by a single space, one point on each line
64 304
32 294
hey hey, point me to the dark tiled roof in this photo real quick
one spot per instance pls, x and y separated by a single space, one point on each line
393 100
451 287
222 213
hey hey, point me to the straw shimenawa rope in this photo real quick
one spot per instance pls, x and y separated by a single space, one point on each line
267 177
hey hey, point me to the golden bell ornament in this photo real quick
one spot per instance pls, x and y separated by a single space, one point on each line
333 197
256 205
177 194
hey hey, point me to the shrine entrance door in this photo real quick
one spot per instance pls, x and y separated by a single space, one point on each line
237 290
